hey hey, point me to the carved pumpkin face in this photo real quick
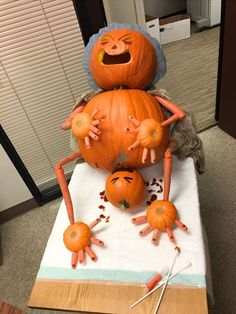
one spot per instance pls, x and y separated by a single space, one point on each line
123 58
125 188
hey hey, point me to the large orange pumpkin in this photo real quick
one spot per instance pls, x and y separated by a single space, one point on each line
123 57
115 107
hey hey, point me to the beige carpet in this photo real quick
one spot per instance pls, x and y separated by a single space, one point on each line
191 78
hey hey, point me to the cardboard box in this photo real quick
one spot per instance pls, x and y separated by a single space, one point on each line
153 27
174 28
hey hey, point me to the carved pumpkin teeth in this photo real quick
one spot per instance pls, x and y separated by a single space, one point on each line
116 59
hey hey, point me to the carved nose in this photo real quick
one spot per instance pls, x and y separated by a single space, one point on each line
114 47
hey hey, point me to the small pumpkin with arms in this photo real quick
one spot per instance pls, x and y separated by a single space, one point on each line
125 188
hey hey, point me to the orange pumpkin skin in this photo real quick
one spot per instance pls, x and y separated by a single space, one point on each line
125 188
150 134
161 215
77 236
115 107
85 119
123 58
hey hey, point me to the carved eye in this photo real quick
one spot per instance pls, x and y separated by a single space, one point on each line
114 180
105 40
127 40
128 179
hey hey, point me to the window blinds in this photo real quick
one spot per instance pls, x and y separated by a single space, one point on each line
41 52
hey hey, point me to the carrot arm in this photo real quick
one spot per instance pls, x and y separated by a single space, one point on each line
178 114
67 124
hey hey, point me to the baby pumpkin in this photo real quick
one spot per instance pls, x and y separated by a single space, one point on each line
125 188
77 236
161 215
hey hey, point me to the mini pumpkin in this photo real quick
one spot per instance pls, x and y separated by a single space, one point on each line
125 188
123 57
161 215
77 236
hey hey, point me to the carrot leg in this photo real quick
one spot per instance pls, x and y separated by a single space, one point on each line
167 174
63 183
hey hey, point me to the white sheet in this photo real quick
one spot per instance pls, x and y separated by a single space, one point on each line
127 256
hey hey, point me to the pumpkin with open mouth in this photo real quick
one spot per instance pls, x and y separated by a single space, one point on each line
123 58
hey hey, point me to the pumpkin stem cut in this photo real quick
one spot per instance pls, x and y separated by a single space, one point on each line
124 204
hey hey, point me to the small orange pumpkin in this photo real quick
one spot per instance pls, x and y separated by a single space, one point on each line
77 236
125 188
150 133
123 57
114 108
81 125
161 215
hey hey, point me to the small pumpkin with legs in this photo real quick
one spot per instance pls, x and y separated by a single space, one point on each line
122 128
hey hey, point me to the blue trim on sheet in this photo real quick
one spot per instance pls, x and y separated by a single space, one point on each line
115 275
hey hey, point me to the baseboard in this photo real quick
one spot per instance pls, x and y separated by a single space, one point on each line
17 210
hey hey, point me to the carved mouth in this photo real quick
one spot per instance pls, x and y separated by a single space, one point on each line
116 59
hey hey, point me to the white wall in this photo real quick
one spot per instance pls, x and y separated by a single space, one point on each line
125 11
160 8
13 190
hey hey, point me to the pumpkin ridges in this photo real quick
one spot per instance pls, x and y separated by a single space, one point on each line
125 188
138 73
113 104
154 217
80 239
153 65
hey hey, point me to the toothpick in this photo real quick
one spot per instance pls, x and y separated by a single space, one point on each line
177 251
188 264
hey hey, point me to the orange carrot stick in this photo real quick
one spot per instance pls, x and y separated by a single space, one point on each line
63 183
155 236
167 174
65 192
67 124
181 225
74 259
153 155
172 107
138 220
146 230
94 223
144 155
97 241
150 285
81 256
135 121
170 235
133 146
90 253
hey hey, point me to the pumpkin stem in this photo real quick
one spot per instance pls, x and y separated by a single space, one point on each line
124 204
